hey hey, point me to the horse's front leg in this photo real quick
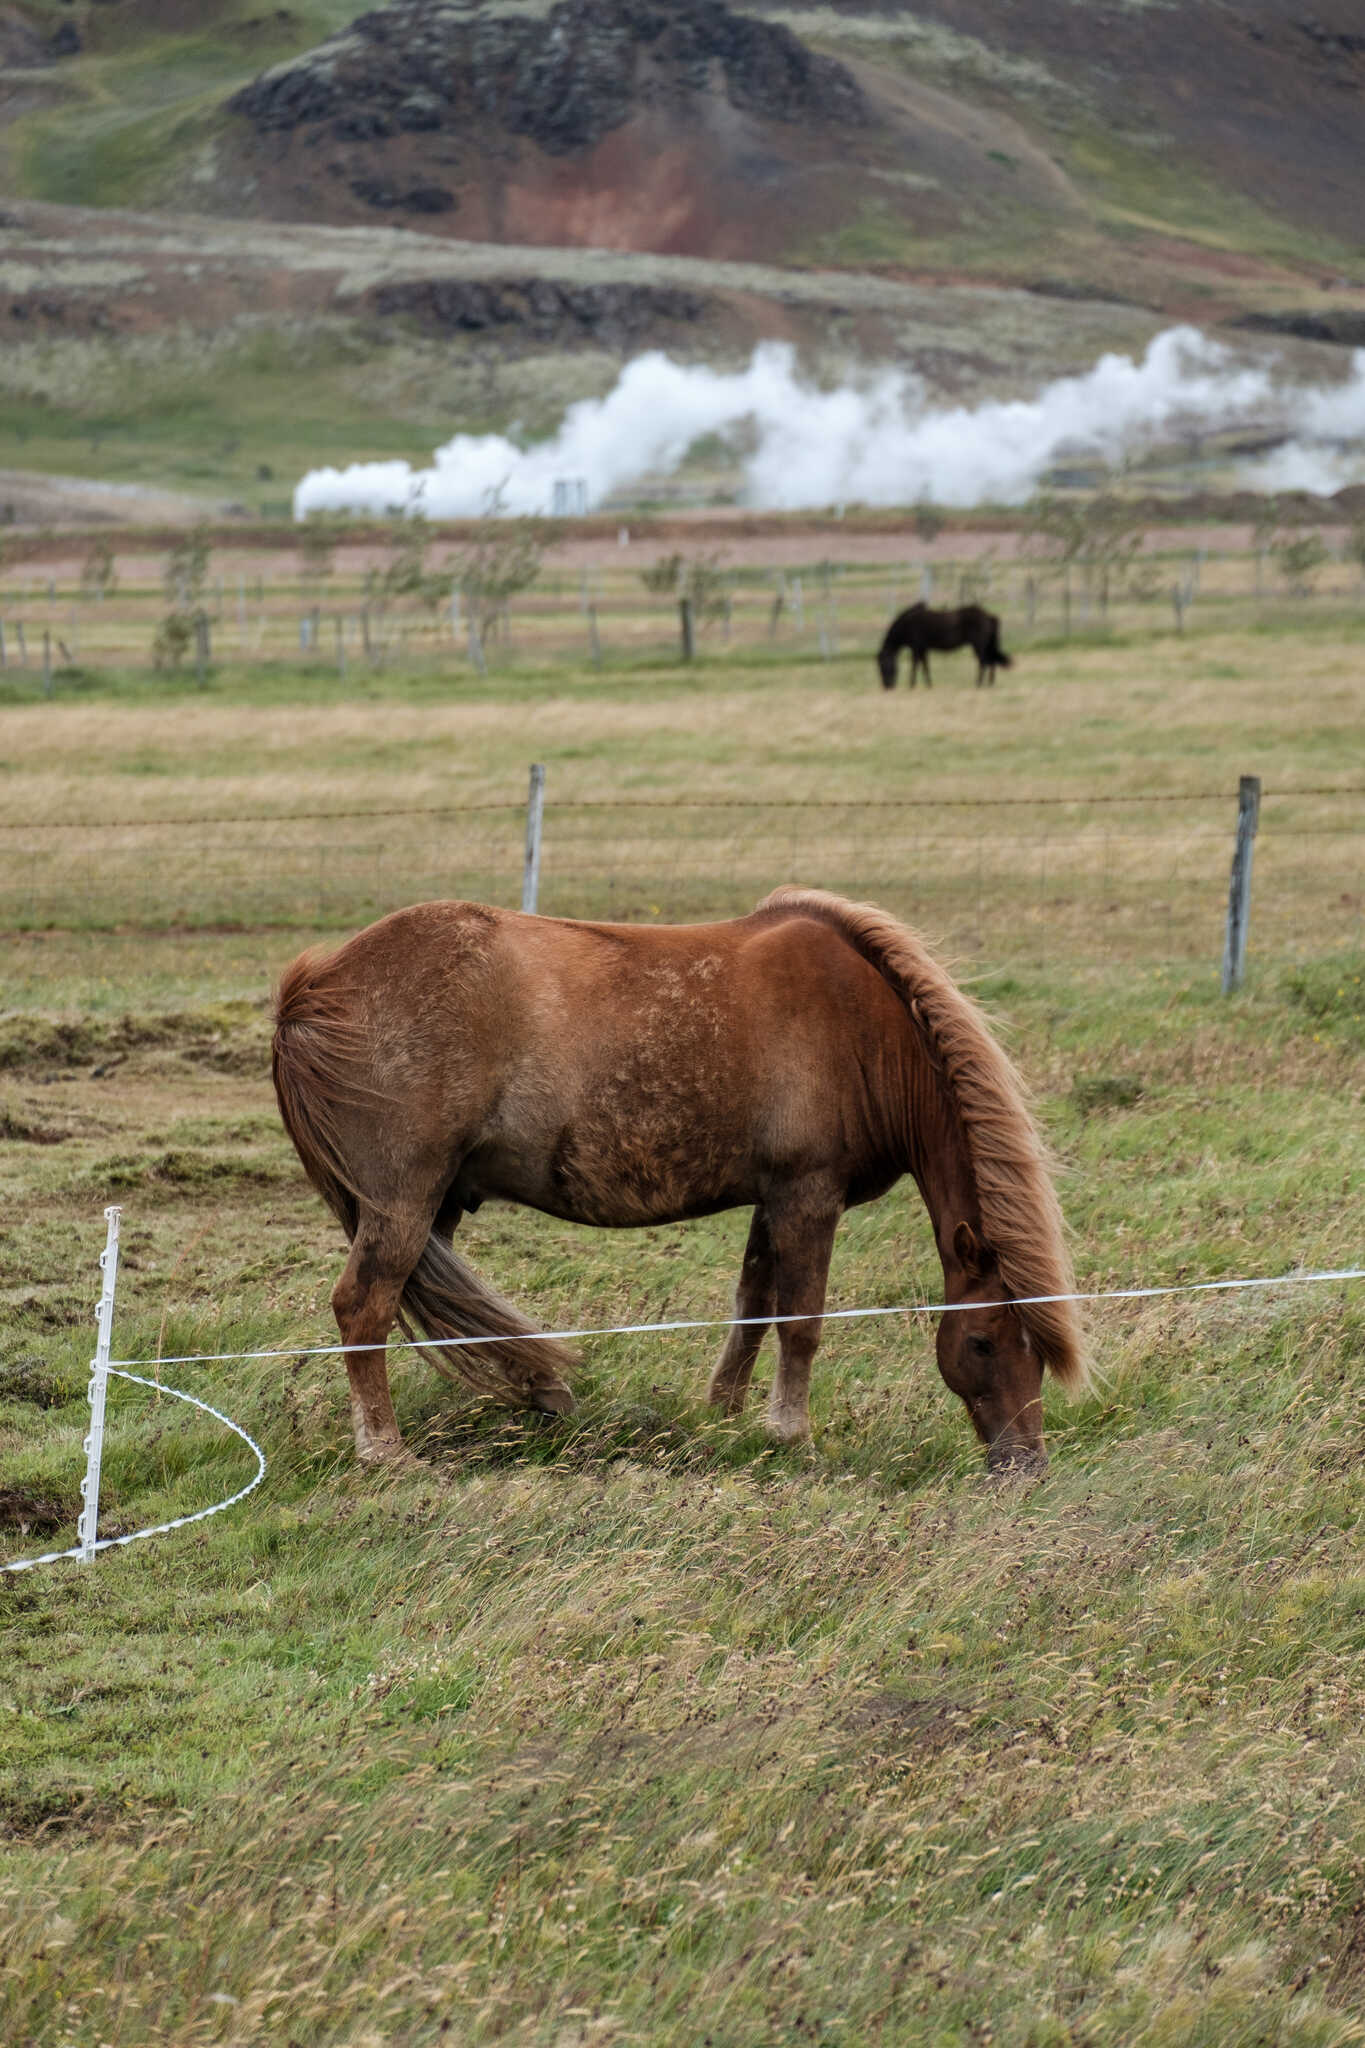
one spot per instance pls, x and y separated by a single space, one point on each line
754 1298
803 1235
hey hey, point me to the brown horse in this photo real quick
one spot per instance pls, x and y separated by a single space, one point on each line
921 628
800 1060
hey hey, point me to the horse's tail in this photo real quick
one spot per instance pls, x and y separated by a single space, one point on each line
1020 1213
319 1065
513 1361
316 1057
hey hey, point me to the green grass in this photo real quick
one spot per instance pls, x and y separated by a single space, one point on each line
138 103
632 1728
243 417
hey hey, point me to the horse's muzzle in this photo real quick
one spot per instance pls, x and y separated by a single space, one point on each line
1016 1461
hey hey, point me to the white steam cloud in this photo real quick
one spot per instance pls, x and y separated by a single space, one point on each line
876 442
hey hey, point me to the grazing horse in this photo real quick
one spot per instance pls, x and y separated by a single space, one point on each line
799 1060
921 628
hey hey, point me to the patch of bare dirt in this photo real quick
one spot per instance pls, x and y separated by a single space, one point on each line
28 499
31 1513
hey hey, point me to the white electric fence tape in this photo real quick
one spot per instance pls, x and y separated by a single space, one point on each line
102 1366
88 1542
829 1315
24 1564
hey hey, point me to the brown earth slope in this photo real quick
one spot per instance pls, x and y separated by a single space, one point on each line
1264 98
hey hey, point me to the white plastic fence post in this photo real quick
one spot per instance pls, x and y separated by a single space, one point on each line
99 1383
535 812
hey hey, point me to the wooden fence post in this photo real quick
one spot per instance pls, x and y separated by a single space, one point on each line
1239 885
47 662
594 638
685 624
535 813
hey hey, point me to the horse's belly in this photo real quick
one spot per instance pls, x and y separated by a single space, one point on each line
618 1177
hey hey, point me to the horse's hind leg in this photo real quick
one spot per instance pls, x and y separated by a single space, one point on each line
754 1297
803 1234
365 1303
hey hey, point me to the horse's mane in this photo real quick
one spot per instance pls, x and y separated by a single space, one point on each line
1020 1214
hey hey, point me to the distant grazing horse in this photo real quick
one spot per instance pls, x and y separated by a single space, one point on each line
800 1059
922 629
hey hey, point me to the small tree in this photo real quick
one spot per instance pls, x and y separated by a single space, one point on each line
99 578
316 546
502 559
929 521
1114 537
187 568
702 578
183 581
1299 557
1102 537
174 637
661 578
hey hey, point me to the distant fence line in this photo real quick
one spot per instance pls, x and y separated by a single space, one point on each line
824 610
1148 889
1080 801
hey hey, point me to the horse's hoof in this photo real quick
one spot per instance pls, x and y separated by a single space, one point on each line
552 1399
386 1453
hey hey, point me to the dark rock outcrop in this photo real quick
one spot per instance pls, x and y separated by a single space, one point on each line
562 81
541 309
1344 325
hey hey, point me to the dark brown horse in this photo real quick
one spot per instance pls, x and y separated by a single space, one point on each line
922 629
800 1060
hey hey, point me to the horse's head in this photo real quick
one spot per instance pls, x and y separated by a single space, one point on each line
886 666
987 1358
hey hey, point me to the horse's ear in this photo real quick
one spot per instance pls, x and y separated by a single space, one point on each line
971 1253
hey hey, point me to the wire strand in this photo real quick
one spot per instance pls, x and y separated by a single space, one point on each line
833 1315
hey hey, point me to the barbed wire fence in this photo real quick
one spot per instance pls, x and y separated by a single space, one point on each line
1004 880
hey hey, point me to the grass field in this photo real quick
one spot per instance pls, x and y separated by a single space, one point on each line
634 1728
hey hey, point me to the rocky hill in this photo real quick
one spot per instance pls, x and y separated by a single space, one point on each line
851 131
680 126
985 191
1121 147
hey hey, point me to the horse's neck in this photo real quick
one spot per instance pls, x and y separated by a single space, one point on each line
937 1146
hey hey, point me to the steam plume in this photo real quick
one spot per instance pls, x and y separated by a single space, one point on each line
874 442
